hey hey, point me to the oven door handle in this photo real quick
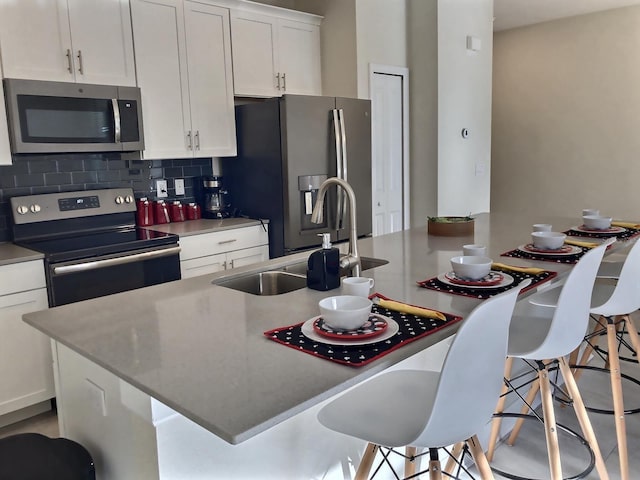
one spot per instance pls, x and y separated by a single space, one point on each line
110 262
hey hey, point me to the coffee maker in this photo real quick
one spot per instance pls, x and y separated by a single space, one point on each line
213 197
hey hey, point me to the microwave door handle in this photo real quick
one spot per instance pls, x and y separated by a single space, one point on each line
343 138
116 119
339 192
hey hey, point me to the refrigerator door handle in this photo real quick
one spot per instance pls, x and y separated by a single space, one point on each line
343 142
339 165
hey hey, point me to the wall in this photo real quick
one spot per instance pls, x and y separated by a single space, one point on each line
566 103
464 101
34 174
422 52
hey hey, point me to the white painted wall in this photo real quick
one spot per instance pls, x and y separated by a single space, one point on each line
381 37
566 109
464 101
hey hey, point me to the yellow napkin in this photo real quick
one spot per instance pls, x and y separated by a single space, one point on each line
531 270
404 308
579 243
625 224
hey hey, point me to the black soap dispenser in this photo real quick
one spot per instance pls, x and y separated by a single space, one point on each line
323 266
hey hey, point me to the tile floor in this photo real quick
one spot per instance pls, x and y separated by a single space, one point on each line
528 456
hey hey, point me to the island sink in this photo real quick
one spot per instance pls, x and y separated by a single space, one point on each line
286 279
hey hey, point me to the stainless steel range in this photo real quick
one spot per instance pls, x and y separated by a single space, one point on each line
91 244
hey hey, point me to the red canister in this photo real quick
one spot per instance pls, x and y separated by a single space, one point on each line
193 211
177 212
144 212
161 212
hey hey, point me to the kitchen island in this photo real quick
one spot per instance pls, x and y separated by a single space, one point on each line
178 381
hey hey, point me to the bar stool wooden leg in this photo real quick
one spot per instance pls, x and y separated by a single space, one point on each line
618 402
455 455
550 428
366 462
497 421
600 326
435 472
479 457
533 391
633 335
583 418
410 461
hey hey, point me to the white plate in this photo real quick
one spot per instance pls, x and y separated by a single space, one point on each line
613 230
506 280
574 249
392 329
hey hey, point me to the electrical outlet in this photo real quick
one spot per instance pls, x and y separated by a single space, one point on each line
179 184
161 188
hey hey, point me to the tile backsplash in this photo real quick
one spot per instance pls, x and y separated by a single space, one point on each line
33 174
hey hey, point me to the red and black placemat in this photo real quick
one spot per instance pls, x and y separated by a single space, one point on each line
410 328
546 257
627 234
484 293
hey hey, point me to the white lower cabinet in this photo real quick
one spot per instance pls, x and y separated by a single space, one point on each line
212 252
25 354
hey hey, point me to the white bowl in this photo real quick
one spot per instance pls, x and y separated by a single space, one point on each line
548 240
471 267
596 222
345 312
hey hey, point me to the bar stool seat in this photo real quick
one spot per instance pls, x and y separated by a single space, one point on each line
32 456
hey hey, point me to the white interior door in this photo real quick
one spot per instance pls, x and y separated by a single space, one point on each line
389 154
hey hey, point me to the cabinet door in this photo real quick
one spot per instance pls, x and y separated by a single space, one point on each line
25 354
35 40
254 54
299 55
102 41
202 265
210 80
160 53
247 256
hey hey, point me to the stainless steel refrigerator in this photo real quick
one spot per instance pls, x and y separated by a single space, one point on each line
287 147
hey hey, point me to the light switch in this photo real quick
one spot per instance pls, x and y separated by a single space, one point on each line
179 184
473 43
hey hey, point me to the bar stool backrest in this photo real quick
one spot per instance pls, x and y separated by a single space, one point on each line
472 373
571 316
626 295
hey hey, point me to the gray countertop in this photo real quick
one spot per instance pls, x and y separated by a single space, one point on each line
205 225
11 253
199 348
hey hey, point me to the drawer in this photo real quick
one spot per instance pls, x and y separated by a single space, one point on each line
195 246
20 277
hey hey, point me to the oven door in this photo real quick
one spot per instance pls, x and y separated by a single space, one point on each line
78 280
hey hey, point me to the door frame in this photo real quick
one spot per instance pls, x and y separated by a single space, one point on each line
404 73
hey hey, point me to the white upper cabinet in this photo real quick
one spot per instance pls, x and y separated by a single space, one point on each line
183 62
273 55
84 41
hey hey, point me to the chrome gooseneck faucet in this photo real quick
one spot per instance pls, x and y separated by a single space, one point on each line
352 260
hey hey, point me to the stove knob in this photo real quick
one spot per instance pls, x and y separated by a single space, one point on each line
22 209
119 200
128 199
35 208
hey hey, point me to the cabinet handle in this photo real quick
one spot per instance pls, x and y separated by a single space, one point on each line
227 241
189 142
278 77
69 61
80 67
284 82
197 137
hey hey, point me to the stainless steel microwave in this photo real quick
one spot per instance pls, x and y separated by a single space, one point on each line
56 117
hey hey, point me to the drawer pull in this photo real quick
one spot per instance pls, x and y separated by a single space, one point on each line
227 241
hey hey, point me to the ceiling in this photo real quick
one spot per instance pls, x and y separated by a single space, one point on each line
517 13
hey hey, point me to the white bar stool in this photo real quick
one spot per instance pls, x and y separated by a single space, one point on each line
429 409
